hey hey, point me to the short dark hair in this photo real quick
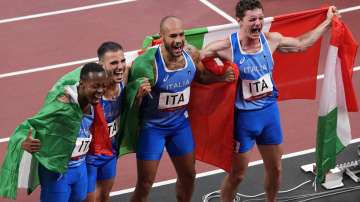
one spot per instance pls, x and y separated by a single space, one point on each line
106 47
88 68
245 5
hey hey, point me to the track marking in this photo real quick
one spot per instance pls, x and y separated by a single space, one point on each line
219 11
345 10
321 76
214 172
128 55
4 140
39 15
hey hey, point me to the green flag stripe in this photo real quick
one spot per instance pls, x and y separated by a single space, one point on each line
327 141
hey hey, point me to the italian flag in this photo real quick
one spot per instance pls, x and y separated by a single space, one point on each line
211 106
337 98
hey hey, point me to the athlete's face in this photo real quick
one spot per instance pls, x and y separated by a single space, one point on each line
173 37
252 23
114 63
93 88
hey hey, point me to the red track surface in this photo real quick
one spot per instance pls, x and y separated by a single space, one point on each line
75 36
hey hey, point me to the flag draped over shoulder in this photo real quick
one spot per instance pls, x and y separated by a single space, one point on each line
100 143
337 98
143 67
20 169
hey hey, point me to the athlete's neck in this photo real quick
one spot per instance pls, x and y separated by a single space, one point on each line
112 90
248 44
172 62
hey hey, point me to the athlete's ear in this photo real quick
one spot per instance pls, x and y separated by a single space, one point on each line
81 83
238 19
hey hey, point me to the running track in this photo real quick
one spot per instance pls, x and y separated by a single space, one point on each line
73 35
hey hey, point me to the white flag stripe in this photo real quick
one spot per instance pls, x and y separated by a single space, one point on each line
343 129
328 91
24 170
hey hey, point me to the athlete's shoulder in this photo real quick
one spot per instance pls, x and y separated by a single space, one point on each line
192 51
273 36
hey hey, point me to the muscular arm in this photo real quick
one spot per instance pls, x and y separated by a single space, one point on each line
301 43
203 75
219 48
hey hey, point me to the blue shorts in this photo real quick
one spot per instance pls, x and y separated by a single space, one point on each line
178 141
70 186
260 126
104 171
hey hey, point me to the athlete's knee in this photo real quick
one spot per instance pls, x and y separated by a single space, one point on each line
237 175
276 171
145 184
187 176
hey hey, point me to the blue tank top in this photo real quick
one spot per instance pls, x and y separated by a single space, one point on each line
170 95
112 110
83 140
256 88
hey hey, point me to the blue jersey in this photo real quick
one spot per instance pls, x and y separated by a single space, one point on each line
112 110
170 95
256 88
83 141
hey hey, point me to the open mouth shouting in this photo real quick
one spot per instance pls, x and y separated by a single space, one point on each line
118 74
177 48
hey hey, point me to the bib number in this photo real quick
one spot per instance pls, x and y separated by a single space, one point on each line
174 100
257 89
82 147
113 128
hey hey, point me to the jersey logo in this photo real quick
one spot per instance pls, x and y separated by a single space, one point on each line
242 60
166 78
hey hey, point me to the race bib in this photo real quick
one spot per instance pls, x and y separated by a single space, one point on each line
113 127
82 147
256 89
173 100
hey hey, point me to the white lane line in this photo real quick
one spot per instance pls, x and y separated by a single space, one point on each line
39 15
128 56
345 10
321 76
214 172
4 140
219 11
39 69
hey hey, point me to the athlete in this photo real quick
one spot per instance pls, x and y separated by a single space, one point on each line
257 118
72 184
163 109
102 167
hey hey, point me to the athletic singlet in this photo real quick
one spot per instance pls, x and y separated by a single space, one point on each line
83 140
256 88
112 110
170 94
